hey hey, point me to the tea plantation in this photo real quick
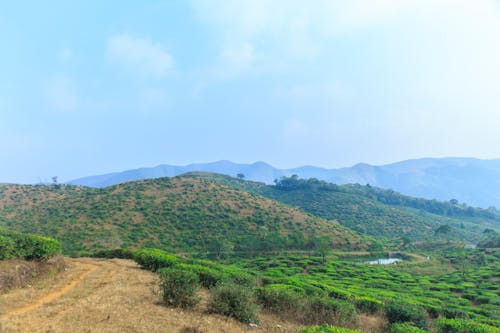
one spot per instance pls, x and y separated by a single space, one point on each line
465 298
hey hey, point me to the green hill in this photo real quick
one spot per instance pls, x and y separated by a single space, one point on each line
179 214
374 211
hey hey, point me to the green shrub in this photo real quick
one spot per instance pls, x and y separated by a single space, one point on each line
464 326
154 259
318 310
233 300
26 246
397 312
328 329
209 277
282 299
179 287
368 304
7 247
42 248
451 312
113 253
405 328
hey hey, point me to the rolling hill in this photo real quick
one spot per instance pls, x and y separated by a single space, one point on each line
473 181
179 214
374 211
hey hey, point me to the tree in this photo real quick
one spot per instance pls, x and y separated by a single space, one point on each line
323 246
55 184
240 176
220 248
443 229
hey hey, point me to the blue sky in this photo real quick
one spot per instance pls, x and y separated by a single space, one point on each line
89 87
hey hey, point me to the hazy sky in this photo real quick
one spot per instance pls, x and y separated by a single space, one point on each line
88 87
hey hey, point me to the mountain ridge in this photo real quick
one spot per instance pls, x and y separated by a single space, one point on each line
469 180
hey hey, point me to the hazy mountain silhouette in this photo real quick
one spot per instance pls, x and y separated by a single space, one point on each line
474 181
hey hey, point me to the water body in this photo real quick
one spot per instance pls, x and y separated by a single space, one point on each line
385 261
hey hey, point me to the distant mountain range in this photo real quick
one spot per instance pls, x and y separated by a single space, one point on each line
473 181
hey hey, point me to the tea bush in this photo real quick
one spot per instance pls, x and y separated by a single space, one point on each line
464 326
328 329
27 246
179 287
235 301
405 328
328 311
282 299
154 259
397 312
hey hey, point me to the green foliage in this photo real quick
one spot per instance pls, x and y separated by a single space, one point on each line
235 301
368 304
447 292
328 329
330 311
492 240
283 299
209 277
399 312
7 247
291 302
405 328
153 259
26 246
464 326
113 253
179 287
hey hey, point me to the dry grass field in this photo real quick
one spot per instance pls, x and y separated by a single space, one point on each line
94 295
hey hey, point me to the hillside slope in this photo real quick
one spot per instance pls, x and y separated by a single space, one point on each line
180 214
373 211
473 181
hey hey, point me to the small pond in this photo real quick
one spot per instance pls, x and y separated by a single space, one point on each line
384 261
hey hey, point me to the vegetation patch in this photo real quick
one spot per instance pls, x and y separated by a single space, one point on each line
179 287
26 246
235 301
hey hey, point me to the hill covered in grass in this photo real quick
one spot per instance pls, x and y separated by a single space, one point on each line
374 211
178 214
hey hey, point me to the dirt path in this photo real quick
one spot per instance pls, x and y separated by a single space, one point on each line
95 295
53 294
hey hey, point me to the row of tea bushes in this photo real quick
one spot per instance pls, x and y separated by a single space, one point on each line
27 246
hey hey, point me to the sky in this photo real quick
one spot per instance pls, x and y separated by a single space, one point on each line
90 87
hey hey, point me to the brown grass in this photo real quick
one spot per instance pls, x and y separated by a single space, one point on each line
17 273
95 295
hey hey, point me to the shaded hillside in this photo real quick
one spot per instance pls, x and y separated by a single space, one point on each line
374 211
473 181
181 213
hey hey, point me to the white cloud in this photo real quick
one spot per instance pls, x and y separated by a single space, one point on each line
294 24
61 94
139 55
